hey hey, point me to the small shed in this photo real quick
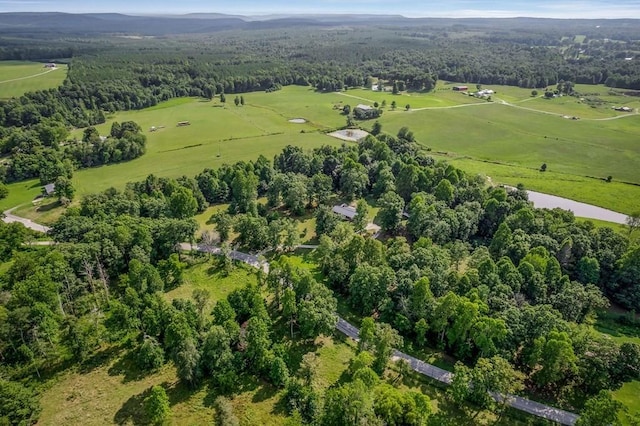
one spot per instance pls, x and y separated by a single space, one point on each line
364 107
48 189
50 65
460 88
345 211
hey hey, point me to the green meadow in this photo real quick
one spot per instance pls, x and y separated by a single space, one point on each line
18 78
499 139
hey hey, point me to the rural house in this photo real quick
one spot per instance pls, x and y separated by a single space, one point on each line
460 88
345 211
48 189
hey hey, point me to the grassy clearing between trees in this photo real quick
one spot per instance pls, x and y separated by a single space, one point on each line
18 78
110 389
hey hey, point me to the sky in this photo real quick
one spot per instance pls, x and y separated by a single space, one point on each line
409 8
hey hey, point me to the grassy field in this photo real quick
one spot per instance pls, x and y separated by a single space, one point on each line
614 195
506 142
18 78
216 135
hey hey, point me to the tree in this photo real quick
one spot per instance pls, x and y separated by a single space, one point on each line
279 373
182 204
309 368
316 312
187 361
495 375
18 404
224 223
223 98
242 100
150 355
543 168
289 307
4 191
224 413
554 354
386 340
64 190
421 328
258 344
236 100
394 105
366 334
349 404
376 129
157 406
633 222
326 220
407 107
444 191
534 93
602 409
361 219
353 180
391 208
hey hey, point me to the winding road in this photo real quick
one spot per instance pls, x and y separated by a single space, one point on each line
9 217
29 76
417 365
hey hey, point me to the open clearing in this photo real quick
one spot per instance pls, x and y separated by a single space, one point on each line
18 78
350 135
490 138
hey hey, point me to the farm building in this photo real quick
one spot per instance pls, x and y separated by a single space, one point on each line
485 92
345 211
48 189
364 107
50 65
460 88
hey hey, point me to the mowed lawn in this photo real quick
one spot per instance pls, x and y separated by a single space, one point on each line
503 133
18 78
445 121
615 196
216 135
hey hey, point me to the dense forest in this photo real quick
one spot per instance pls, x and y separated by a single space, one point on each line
109 74
474 271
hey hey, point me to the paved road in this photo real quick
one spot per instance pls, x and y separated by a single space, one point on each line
547 201
11 218
519 403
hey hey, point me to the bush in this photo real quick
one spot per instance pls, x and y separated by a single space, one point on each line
18 404
157 405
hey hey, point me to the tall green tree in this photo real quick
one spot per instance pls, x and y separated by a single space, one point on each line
157 406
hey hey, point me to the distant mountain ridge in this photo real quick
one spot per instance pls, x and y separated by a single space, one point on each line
35 23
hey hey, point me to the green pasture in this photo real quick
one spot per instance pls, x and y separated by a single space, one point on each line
497 132
616 196
437 99
217 134
505 142
18 78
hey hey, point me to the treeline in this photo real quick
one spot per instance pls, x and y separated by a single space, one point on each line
121 76
43 150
